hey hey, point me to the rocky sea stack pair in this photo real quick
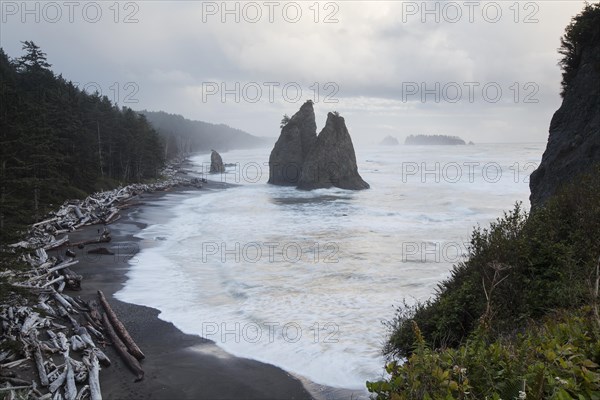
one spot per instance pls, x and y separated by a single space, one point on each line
301 158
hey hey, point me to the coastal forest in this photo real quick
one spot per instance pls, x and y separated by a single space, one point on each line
59 142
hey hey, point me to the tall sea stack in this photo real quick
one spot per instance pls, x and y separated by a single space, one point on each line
216 163
296 139
306 161
332 161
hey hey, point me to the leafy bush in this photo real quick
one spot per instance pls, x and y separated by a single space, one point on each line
557 359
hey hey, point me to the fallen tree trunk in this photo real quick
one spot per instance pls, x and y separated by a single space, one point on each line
60 299
70 386
94 379
132 363
44 222
57 243
110 217
58 267
104 238
120 328
53 281
38 358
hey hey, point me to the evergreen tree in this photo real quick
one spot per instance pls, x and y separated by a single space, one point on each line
582 32
59 142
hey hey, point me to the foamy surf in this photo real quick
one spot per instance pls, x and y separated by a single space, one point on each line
303 280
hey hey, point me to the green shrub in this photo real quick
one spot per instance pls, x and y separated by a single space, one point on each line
557 359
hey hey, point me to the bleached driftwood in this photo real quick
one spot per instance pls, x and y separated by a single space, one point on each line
38 358
57 243
47 277
93 377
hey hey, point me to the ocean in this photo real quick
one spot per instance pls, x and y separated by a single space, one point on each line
306 280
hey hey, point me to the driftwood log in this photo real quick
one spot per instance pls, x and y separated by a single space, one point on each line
94 378
133 349
132 362
39 359
104 238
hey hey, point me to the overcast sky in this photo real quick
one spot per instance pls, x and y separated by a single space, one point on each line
380 64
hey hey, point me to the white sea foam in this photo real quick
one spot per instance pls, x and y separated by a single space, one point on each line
303 280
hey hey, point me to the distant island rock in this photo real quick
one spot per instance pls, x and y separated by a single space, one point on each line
389 141
301 158
216 163
434 140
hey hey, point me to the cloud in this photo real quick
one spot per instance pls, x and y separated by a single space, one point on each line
365 61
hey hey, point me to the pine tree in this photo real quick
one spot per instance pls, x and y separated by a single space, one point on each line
59 142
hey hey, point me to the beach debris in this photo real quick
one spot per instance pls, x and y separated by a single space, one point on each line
120 329
132 362
98 208
38 328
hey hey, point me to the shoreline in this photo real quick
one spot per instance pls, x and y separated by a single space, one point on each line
177 365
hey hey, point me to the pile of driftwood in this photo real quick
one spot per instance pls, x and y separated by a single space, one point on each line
98 208
60 334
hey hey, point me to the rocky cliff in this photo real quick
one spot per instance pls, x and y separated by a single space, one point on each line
296 139
302 159
574 143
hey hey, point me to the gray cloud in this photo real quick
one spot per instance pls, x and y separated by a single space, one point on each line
370 55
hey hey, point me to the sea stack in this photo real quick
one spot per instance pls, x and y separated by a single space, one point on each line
216 163
389 141
297 138
332 161
573 146
301 158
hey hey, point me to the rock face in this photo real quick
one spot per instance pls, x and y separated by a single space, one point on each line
332 161
302 159
297 138
574 142
216 163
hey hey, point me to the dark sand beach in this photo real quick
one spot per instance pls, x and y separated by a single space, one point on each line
177 366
